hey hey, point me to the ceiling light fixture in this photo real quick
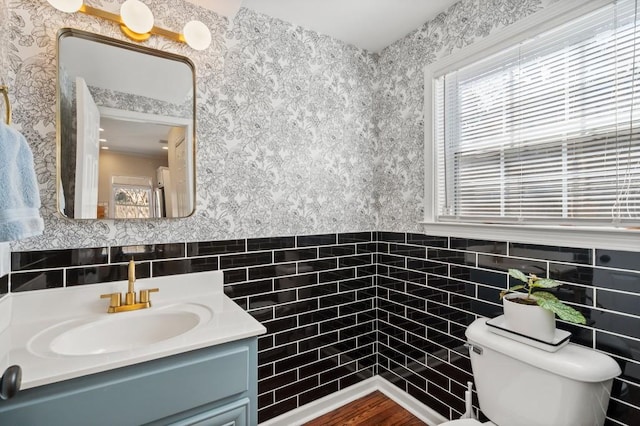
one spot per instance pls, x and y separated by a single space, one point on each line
136 22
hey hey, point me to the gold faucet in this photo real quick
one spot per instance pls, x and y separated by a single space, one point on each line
130 303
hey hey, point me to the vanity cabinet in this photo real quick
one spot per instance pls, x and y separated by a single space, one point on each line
209 386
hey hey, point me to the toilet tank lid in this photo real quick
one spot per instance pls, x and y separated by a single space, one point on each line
572 361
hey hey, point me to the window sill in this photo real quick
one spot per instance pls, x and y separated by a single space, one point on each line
565 236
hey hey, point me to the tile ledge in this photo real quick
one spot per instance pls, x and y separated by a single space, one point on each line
582 237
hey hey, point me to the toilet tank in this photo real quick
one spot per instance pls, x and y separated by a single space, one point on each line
519 384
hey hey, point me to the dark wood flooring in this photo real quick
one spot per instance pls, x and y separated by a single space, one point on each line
374 409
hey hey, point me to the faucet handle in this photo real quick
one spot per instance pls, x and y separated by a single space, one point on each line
144 294
115 299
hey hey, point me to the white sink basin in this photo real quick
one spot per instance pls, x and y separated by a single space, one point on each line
118 332
65 333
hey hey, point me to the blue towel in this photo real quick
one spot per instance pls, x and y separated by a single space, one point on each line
19 196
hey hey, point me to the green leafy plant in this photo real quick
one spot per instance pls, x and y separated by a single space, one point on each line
533 285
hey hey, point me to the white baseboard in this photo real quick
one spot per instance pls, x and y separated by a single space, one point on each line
409 403
336 400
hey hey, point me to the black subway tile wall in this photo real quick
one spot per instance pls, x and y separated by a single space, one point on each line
315 294
4 285
340 308
425 305
37 280
554 253
146 252
215 247
256 244
47 259
101 274
185 266
317 240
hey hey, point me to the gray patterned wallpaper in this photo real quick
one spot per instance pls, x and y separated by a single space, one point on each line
120 100
4 42
400 100
284 128
297 133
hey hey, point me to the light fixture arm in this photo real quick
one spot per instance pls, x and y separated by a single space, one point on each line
114 17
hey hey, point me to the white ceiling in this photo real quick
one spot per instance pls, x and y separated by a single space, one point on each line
368 24
133 137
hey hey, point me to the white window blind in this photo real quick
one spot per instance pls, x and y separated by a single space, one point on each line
547 131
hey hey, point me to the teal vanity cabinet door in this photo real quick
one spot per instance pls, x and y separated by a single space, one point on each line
209 386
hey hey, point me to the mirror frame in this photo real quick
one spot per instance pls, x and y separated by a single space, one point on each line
72 32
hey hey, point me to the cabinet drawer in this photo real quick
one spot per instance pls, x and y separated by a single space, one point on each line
234 414
136 394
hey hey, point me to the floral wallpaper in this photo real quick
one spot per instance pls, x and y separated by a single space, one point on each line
4 43
285 134
399 164
295 119
297 133
120 100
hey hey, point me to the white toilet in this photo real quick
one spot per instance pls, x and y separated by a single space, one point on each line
518 384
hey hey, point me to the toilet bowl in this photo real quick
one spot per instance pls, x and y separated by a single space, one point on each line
573 385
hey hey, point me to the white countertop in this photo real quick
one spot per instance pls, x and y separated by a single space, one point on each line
26 317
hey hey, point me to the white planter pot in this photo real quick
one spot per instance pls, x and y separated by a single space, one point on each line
529 320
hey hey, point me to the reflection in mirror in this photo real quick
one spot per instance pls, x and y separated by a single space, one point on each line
126 118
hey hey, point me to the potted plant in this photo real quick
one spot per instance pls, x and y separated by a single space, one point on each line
533 313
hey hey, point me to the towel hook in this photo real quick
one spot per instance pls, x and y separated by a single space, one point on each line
7 103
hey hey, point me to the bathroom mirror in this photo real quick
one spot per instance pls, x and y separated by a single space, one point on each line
126 121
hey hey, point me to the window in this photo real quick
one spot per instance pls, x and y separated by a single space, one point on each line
131 197
131 202
544 132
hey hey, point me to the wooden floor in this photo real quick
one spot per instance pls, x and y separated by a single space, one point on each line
374 409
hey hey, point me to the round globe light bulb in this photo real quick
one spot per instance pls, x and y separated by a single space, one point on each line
136 16
197 35
68 6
